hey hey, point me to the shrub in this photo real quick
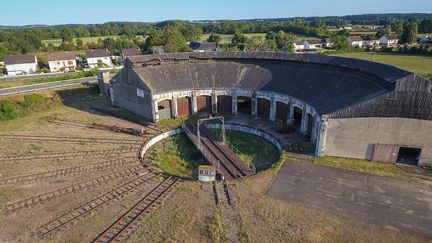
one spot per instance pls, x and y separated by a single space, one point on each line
7 110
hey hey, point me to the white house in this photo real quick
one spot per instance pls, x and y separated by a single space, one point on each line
99 58
356 40
371 41
312 44
62 62
389 40
130 52
21 64
299 45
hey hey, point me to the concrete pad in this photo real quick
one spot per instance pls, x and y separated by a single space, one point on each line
384 201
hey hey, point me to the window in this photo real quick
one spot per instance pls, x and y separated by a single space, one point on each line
70 62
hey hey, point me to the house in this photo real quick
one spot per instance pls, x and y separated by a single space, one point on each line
312 44
299 45
99 58
389 40
203 46
62 62
130 52
327 42
371 41
356 40
21 64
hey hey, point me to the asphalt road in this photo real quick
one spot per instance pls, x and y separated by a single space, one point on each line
379 200
44 86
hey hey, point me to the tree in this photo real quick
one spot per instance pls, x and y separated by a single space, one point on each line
425 26
239 38
340 43
399 28
174 40
410 30
80 44
214 38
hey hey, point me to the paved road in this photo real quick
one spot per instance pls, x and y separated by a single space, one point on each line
378 200
44 86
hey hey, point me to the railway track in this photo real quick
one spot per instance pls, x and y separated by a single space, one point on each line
73 139
80 213
127 223
70 171
98 126
55 155
74 188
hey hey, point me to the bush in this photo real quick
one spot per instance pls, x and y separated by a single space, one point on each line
7 110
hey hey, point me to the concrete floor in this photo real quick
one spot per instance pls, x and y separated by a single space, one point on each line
374 199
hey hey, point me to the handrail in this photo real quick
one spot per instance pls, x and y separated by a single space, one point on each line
236 150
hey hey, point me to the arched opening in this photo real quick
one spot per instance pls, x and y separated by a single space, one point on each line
224 105
298 114
204 104
244 105
281 112
184 106
263 107
164 109
310 125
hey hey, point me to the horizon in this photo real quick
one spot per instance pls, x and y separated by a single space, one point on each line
82 12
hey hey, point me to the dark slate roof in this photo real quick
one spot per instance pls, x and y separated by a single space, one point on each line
131 52
97 53
61 56
19 59
203 46
392 37
327 83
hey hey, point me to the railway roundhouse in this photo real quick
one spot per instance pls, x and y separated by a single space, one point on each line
348 107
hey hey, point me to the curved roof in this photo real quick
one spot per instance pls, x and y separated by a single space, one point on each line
327 83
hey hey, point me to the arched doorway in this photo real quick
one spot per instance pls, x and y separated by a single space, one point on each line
224 105
263 107
204 104
184 106
281 112
298 115
164 109
244 105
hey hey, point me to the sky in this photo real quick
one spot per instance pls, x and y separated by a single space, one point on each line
51 12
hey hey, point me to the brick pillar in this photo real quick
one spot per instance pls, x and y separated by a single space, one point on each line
304 123
321 136
155 115
174 107
214 102
290 114
254 106
194 103
234 104
272 109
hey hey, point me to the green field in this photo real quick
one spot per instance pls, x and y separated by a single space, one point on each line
57 42
414 63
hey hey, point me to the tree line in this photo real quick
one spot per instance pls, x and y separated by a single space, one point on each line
174 35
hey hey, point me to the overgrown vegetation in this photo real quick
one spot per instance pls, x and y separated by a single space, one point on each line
216 229
177 156
376 168
254 149
12 109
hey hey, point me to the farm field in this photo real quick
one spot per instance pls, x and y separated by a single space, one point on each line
414 63
57 42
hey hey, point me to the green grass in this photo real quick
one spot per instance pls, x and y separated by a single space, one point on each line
57 42
414 63
376 168
13 109
260 36
177 156
254 149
